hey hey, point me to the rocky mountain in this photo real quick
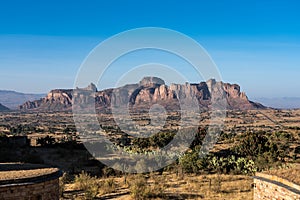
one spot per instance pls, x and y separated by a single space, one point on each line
3 108
13 99
148 91
59 99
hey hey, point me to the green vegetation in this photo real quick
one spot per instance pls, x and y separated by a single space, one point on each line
191 163
265 149
252 151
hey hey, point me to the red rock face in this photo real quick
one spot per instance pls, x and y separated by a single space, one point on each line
54 100
150 90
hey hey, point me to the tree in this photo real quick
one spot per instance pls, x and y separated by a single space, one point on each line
253 144
46 141
263 148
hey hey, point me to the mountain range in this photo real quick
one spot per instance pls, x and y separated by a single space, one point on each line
280 102
12 99
149 90
3 108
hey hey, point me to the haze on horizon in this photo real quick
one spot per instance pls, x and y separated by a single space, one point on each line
255 44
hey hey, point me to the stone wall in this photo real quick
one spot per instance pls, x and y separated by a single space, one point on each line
38 188
272 187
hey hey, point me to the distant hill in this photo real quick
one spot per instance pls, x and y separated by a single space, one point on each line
12 99
149 90
3 108
282 103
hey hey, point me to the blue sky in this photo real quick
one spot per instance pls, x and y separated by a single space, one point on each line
254 43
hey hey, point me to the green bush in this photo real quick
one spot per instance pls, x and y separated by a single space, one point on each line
264 149
259 144
190 162
237 165
252 144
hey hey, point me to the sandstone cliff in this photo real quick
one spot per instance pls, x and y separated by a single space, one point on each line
149 90
58 99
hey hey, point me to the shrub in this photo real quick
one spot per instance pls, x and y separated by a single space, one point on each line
258 144
264 149
157 189
88 184
107 186
245 166
108 171
192 163
46 141
138 187
297 150
160 140
189 162
216 184
233 164
92 191
252 144
62 184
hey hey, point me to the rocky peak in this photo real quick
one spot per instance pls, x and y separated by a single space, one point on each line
234 91
91 87
210 83
150 80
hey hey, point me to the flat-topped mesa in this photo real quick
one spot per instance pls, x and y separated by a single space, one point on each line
150 90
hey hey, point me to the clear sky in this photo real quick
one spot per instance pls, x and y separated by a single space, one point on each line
254 43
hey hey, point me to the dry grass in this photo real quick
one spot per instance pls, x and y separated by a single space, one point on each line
86 187
169 186
291 173
212 187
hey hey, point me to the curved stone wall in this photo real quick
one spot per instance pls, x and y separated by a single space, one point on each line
272 187
42 187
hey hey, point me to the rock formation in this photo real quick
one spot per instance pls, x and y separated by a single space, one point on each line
150 90
58 99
